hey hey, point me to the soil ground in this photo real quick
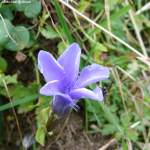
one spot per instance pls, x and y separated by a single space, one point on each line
73 136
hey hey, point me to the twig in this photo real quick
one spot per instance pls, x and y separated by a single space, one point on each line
62 129
107 11
137 32
120 88
13 110
144 8
109 143
126 73
87 138
129 145
53 24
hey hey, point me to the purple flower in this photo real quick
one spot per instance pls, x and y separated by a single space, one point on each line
65 83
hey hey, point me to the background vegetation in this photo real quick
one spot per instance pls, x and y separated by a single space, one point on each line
114 33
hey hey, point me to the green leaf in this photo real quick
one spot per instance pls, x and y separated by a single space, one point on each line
6 11
19 91
19 6
3 64
112 118
109 129
5 28
9 79
61 47
49 33
83 5
100 47
96 51
132 134
97 6
19 102
40 136
112 3
125 120
21 35
42 118
32 9
124 145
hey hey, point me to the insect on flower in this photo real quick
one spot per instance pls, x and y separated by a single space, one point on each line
65 83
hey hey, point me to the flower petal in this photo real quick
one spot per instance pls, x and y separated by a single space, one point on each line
51 88
70 61
92 74
49 67
86 93
62 104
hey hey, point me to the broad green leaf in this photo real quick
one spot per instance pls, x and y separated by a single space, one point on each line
97 6
109 129
32 9
7 12
132 134
49 33
20 7
61 47
9 79
42 118
40 136
83 5
19 102
101 47
5 29
112 3
3 64
21 36
19 91
96 51
98 47
117 29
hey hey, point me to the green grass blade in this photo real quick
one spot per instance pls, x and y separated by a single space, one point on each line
62 21
19 102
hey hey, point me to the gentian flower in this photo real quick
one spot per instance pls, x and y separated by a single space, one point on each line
65 83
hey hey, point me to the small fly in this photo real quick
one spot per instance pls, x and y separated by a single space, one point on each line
105 89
